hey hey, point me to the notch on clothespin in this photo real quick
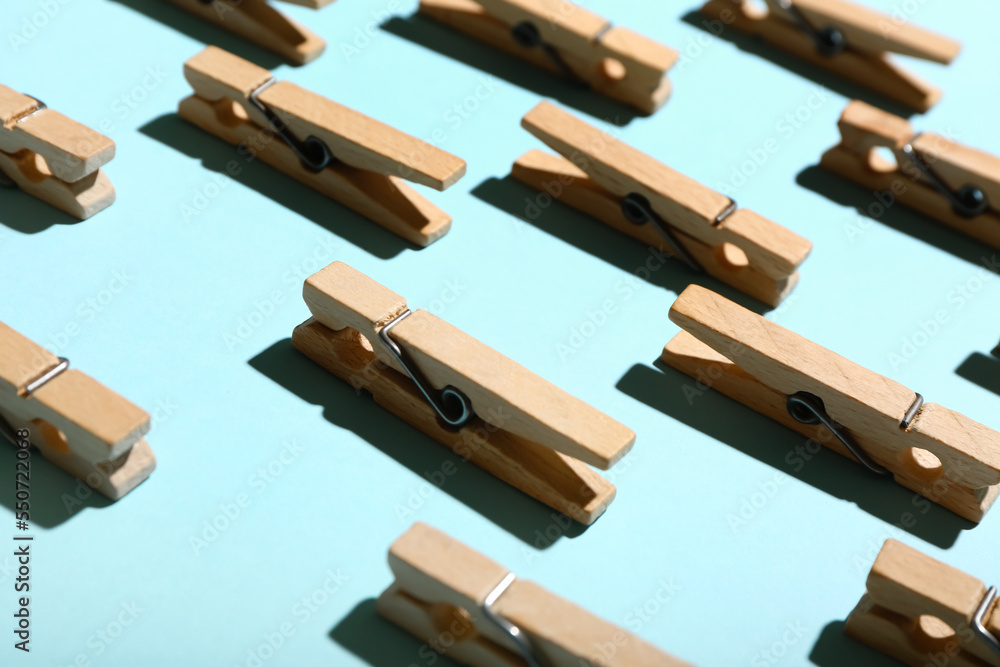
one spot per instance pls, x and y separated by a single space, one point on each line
467 396
956 184
635 194
917 608
847 39
260 23
475 611
76 422
565 38
52 157
340 152
932 450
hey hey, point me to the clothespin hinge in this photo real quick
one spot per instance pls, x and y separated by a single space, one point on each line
522 641
969 201
979 618
36 384
314 154
637 210
829 41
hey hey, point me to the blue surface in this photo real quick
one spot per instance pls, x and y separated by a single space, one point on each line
228 394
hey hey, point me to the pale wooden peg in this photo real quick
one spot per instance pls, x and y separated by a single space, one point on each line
597 172
566 38
440 591
920 161
940 454
524 430
77 423
257 21
52 157
867 38
917 608
370 159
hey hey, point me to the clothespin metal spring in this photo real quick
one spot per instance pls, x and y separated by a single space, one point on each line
450 404
313 152
526 34
969 201
978 621
522 641
637 210
829 41
36 384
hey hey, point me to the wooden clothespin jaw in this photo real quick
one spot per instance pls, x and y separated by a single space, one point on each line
921 612
260 23
850 40
932 450
344 154
649 201
956 184
565 38
53 157
77 423
477 612
470 398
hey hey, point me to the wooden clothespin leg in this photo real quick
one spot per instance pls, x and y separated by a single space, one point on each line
75 422
567 39
343 154
260 23
953 183
932 450
847 39
923 612
463 605
52 157
649 201
467 396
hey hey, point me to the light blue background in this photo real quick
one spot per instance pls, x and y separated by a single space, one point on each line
226 399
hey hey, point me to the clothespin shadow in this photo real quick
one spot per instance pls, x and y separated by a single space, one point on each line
504 505
216 155
758 47
835 648
23 213
894 215
57 498
983 370
176 18
463 48
591 235
743 429
380 643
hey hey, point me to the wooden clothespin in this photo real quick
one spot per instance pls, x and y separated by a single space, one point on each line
565 38
344 154
477 612
956 184
260 23
852 41
76 422
651 202
53 157
923 612
932 450
467 396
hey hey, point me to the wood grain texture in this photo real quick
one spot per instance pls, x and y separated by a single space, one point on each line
871 69
440 588
562 483
596 163
614 61
258 22
905 585
864 128
76 422
760 364
503 392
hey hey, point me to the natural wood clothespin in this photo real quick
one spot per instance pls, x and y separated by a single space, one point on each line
469 608
956 184
923 612
651 202
344 154
565 38
260 23
53 157
932 450
76 422
467 396
847 39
